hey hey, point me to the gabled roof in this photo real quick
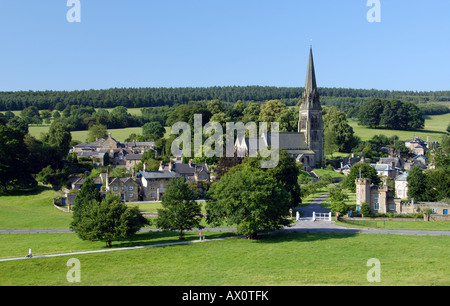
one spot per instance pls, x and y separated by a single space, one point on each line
418 156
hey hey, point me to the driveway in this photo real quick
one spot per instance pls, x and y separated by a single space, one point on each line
307 212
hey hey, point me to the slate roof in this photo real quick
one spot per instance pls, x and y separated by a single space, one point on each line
158 174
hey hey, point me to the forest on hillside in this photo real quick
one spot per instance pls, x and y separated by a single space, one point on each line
345 99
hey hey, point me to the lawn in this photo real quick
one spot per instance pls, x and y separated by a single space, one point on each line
33 210
435 128
399 224
321 172
279 259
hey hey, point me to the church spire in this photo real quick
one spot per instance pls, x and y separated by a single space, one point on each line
310 99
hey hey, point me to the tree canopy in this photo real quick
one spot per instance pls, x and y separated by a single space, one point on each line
179 210
250 198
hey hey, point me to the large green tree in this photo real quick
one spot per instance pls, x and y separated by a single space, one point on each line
97 131
179 210
338 133
250 198
108 220
363 169
286 173
417 184
15 171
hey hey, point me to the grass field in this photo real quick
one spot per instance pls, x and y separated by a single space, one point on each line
33 210
435 128
118 134
279 259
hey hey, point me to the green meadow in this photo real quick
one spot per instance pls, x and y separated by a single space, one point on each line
277 259
435 128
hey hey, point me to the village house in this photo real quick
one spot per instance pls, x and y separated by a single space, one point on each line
401 186
416 146
127 188
154 183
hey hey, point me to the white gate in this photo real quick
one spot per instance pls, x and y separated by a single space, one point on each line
321 216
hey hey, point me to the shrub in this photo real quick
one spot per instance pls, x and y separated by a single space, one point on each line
365 210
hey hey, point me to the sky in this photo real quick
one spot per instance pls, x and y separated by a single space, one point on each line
202 43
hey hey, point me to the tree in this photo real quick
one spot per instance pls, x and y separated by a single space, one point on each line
251 112
59 136
438 183
417 184
153 129
179 210
250 198
366 172
215 106
270 111
365 210
107 220
286 173
369 113
221 118
14 165
337 132
97 131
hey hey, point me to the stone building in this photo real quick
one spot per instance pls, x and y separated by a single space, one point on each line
382 200
154 183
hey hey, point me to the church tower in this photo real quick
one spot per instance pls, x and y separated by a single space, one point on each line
310 116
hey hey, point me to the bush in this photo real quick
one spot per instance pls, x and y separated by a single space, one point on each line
365 210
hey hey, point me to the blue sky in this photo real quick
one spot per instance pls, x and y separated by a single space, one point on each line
179 43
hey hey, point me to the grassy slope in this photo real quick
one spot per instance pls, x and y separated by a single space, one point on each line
435 127
32 211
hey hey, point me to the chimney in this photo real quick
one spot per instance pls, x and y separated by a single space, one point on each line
190 163
145 167
170 166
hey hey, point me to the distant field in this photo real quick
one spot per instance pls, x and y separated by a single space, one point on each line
118 134
435 128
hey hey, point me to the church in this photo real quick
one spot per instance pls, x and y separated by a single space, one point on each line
306 145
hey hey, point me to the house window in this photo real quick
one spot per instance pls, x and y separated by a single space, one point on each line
445 212
152 187
130 188
115 188
392 207
130 195
123 188
376 206
153 195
